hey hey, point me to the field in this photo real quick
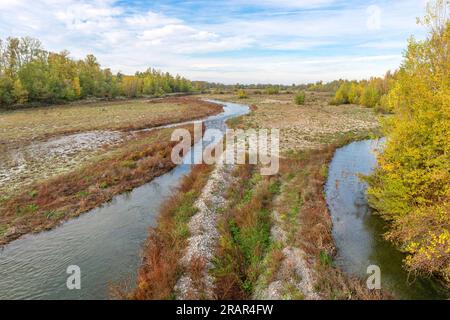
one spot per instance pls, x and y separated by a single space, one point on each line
24 126
59 163
310 126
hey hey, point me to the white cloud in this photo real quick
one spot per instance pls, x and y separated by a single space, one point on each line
131 40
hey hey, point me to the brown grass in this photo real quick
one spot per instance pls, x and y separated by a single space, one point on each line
311 126
43 205
164 247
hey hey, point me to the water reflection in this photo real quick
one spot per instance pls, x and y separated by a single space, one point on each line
358 233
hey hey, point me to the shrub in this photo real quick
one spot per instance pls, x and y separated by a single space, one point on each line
272 90
300 98
241 94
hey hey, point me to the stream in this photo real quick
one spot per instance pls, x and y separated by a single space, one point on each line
105 243
358 232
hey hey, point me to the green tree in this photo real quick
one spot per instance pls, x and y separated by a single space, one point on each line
20 94
370 96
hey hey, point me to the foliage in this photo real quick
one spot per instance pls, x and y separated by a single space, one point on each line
371 93
273 90
241 94
300 98
28 73
411 187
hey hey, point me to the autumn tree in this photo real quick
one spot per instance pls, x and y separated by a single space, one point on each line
411 187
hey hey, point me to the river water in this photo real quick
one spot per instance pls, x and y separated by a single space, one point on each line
358 232
105 243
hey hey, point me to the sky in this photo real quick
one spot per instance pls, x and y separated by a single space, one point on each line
235 41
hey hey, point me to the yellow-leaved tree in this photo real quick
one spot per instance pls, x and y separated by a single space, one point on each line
411 187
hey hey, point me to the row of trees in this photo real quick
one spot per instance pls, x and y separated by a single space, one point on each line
372 93
28 73
411 187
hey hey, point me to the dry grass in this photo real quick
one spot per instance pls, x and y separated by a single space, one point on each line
164 248
25 159
23 126
43 205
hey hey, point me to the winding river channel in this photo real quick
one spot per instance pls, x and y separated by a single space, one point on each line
105 243
358 233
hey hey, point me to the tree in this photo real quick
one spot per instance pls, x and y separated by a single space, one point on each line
29 73
6 88
76 86
20 94
411 187
370 96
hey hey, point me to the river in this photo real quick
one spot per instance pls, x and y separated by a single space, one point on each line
105 243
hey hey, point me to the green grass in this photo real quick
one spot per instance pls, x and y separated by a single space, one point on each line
245 235
183 214
53 214
27 209
3 229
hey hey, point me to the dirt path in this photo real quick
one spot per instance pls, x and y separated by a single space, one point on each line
196 283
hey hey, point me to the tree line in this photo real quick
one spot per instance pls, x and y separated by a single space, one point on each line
372 93
28 73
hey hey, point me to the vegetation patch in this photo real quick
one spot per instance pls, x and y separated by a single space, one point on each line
245 234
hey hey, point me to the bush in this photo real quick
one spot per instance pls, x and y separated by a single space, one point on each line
241 94
272 90
300 98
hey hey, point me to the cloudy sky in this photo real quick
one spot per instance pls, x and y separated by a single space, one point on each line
255 41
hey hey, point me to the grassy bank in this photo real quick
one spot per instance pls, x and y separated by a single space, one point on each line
298 261
165 244
244 233
308 225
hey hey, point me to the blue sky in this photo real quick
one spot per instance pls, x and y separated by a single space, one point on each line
254 41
